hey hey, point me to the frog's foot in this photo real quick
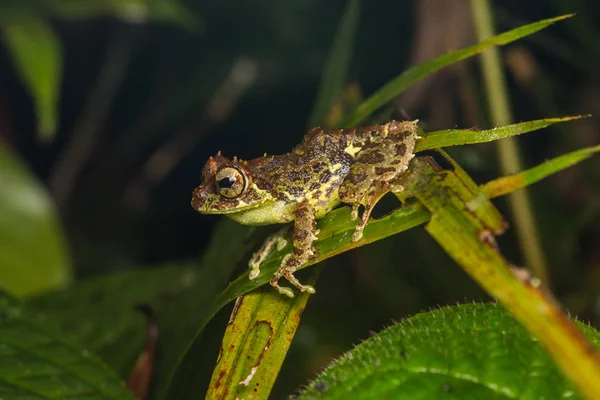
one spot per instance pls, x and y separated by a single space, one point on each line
289 264
257 258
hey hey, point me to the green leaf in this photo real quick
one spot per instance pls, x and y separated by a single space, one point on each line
412 75
457 137
336 69
40 362
472 351
100 312
33 255
507 184
258 336
37 57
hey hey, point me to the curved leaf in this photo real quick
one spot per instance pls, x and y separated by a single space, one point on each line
33 255
39 362
474 351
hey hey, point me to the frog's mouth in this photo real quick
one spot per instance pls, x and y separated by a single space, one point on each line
210 203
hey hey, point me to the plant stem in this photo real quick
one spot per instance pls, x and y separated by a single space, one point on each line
508 151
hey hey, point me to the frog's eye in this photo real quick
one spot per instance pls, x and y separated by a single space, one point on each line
230 182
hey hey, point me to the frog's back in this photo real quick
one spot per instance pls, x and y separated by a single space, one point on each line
315 169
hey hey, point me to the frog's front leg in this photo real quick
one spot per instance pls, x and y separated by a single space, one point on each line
305 233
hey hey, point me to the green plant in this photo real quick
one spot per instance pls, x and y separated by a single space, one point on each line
458 215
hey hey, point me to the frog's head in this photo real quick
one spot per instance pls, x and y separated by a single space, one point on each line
227 187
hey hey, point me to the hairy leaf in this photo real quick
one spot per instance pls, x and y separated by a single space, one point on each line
472 351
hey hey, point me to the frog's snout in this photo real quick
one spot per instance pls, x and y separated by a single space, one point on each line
199 198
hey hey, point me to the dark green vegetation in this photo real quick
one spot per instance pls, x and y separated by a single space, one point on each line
115 106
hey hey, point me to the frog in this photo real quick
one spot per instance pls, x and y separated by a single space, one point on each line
330 167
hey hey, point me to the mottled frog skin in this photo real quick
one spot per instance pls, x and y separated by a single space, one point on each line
354 166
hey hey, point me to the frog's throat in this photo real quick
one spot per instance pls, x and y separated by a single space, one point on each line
275 212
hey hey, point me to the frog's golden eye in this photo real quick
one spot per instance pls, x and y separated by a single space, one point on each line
230 182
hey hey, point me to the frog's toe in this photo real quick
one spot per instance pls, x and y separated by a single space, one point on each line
285 291
354 212
309 289
281 243
254 273
357 235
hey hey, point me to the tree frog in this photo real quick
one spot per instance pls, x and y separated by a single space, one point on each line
329 167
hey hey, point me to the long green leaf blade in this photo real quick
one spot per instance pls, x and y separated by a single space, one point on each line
445 353
457 137
412 75
508 184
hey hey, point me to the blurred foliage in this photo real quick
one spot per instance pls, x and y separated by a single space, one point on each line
178 97
37 52
33 253
37 361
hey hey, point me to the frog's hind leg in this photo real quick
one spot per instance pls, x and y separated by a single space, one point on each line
376 192
303 237
379 165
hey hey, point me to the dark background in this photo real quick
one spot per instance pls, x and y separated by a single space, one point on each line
153 101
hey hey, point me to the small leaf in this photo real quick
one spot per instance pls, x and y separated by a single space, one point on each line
37 57
338 62
33 254
412 75
457 137
39 362
475 351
